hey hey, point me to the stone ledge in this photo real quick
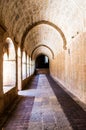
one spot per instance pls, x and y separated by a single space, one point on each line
7 88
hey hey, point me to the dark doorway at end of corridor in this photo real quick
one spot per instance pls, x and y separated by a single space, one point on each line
42 64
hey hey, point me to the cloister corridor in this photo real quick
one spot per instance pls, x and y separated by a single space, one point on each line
43 64
44 105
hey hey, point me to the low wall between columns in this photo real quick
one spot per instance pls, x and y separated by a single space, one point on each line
1 104
9 97
25 81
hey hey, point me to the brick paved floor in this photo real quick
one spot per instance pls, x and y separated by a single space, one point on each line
46 106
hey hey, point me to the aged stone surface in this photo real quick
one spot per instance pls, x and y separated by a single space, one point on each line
69 67
55 28
55 11
46 106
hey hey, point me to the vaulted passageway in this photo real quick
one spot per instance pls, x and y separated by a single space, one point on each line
33 29
44 105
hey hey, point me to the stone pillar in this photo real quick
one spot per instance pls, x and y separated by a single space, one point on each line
30 67
1 78
19 69
26 63
27 66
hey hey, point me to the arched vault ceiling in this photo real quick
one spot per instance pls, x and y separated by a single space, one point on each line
17 15
42 50
43 22
42 46
44 34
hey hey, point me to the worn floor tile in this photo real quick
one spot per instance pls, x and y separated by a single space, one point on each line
46 106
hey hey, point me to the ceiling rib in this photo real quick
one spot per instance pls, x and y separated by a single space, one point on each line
41 46
30 27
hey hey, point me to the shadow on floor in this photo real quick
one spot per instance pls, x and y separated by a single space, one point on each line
32 84
21 111
20 114
75 114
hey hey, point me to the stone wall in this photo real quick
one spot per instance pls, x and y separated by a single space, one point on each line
9 97
69 67
26 81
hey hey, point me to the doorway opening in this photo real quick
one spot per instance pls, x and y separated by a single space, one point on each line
42 64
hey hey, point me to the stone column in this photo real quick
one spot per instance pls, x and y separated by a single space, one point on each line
1 78
25 65
30 67
19 69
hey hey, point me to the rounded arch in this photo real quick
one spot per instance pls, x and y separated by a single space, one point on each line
11 48
41 46
43 22
9 65
42 50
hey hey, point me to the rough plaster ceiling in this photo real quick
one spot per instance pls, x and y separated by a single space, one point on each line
68 15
